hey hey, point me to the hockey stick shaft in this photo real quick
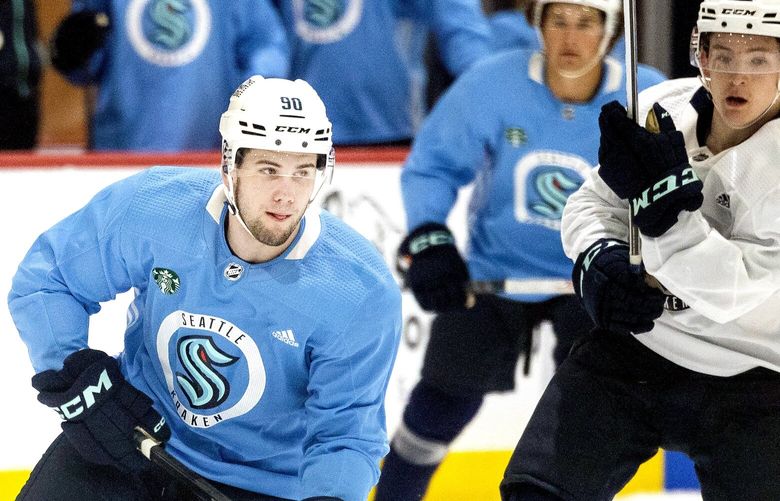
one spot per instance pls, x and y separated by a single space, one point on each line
154 451
632 99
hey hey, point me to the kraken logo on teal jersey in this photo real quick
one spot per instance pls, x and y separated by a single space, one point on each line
326 21
167 280
204 387
323 13
553 188
172 27
516 136
168 32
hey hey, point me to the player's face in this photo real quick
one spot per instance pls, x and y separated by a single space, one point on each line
272 192
572 35
743 76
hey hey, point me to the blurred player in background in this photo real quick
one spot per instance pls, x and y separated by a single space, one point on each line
163 67
523 127
351 51
20 74
703 377
262 334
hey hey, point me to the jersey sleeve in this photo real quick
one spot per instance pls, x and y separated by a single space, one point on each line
346 434
446 155
67 272
262 45
721 278
462 32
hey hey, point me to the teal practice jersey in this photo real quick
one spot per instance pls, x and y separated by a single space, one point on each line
272 375
500 127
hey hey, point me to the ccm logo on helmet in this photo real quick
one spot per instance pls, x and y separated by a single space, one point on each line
739 12
298 130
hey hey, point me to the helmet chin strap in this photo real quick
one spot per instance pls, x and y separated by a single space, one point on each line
230 194
573 75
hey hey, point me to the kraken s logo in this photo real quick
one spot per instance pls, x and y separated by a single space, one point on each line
326 21
168 32
204 387
543 181
323 13
553 188
172 27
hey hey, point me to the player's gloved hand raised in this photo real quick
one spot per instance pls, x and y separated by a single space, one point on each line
650 170
100 409
76 38
436 272
614 295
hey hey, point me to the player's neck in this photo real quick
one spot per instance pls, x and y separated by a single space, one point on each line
574 90
247 247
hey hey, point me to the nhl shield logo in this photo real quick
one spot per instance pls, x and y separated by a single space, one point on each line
233 271
167 280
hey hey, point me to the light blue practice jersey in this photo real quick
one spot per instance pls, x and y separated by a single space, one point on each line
272 376
168 68
350 52
526 151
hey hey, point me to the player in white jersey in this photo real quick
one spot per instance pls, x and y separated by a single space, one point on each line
261 337
523 126
705 196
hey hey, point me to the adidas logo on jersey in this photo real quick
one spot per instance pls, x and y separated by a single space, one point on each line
724 200
286 336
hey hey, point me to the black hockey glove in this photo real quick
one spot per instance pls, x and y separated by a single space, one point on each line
650 170
615 296
77 37
436 273
100 409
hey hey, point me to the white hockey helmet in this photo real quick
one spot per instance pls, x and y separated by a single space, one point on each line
277 115
612 9
749 17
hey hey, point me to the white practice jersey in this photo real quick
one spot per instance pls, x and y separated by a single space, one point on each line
722 262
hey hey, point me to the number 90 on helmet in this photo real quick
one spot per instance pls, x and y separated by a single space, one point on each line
277 115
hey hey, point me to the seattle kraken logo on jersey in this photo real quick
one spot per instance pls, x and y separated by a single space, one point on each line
323 13
204 387
553 189
171 26
326 21
168 32
543 181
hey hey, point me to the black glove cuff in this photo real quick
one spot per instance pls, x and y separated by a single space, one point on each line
424 237
586 258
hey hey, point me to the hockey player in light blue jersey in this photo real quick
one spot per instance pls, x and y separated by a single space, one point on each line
524 127
163 68
262 333
350 51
